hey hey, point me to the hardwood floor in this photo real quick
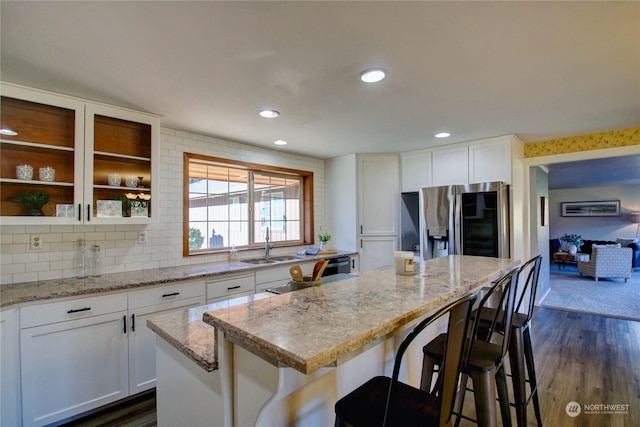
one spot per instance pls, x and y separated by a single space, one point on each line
579 358
587 359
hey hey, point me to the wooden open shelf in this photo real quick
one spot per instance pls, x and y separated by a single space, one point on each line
38 123
122 137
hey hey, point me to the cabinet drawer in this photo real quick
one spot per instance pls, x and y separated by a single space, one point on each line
43 314
217 288
165 294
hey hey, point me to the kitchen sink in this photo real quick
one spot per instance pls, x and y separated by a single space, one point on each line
271 260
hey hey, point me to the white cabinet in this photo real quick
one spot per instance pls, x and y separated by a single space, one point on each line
377 251
73 357
379 194
9 369
82 353
83 142
416 170
226 287
450 166
143 304
490 160
363 200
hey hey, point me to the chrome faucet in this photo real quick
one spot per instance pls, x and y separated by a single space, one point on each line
267 247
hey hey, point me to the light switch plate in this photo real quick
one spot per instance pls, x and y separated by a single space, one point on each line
35 242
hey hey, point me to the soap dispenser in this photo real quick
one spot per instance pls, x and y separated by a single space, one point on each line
233 254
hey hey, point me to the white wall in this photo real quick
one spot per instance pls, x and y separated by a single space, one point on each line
119 242
595 228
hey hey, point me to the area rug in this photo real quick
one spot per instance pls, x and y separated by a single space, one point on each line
606 297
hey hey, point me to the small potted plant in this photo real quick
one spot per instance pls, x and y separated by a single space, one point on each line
574 241
324 237
32 202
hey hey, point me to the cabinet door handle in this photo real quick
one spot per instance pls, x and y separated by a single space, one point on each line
124 327
233 287
171 294
360 243
78 310
133 323
360 229
88 212
353 264
79 212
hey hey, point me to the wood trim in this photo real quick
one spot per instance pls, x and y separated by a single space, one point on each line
307 188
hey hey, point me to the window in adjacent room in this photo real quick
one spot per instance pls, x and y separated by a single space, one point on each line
231 203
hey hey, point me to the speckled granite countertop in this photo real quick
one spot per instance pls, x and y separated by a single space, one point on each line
47 289
185 330
314 327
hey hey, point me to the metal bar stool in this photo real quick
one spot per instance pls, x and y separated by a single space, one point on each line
520 348
384 401
485 361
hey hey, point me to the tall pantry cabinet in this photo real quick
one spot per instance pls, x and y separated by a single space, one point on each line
363 206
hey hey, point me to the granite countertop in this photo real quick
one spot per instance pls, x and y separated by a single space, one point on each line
315 327
185 330
17 293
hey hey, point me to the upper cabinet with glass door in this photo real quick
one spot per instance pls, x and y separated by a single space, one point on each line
58 153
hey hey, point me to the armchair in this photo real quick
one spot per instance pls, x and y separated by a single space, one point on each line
607 261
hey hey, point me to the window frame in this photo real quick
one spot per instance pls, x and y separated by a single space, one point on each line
306 200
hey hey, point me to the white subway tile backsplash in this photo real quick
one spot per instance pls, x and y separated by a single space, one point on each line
119 243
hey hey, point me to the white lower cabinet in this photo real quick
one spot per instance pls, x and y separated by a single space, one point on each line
377 251
80 354
9 369
227 287
73 357
142 340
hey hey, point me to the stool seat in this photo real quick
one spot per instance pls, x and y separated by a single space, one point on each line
410 406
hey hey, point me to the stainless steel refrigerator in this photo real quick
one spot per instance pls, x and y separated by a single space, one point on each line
468 219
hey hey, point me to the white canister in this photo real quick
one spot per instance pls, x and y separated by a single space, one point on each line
47 174
404 262
24 172
114 179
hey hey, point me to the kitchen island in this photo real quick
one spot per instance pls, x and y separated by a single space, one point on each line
285 360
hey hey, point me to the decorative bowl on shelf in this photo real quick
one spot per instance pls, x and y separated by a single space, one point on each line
47 174
24 172
114 179
131 181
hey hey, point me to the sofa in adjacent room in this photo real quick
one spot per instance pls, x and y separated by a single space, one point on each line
555 246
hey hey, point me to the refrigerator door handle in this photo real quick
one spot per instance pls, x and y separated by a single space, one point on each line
457 231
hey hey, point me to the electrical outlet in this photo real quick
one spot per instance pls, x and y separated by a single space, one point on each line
35 242
142 237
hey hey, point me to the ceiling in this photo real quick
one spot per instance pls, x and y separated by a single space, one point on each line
541 70
597 172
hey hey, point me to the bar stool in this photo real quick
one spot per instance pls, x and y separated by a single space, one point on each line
485 361
387 402
520 348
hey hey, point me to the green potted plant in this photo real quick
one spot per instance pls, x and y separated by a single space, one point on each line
324 237
32 202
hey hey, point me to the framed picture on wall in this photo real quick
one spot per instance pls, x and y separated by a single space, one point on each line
596 208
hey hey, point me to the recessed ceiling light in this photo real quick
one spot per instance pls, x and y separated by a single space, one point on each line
280 142
442 135
8 132
269 114
373 75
